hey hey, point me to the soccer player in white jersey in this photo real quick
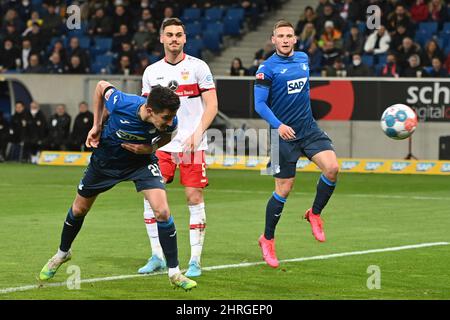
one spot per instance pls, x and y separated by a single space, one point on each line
191 79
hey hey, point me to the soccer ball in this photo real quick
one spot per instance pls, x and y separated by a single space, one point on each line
398 121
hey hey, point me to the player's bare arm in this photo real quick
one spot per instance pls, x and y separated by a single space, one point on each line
211 108
139 148
93 137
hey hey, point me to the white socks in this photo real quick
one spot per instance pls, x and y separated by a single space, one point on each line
152 230
173 271
197 225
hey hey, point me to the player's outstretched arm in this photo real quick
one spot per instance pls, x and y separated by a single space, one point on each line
93 137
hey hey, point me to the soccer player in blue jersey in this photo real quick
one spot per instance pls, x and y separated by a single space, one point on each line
282 98
136 127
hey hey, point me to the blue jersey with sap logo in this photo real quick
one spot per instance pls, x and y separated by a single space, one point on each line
282 93
124 125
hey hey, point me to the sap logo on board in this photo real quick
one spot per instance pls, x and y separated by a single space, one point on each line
71 158
302 164
424 166
445 167
50 157
349 165
399 166
373 165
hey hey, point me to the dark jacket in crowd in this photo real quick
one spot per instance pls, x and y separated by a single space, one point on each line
59 132
81 126
38 130
20 127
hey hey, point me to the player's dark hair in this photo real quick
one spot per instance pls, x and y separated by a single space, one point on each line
162 98
282 23
172 22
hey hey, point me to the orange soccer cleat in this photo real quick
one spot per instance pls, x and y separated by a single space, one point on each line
268 251
316 225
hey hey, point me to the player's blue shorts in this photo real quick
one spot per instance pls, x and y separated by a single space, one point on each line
97 180
290 151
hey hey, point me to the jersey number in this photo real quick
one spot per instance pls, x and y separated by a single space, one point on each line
154 169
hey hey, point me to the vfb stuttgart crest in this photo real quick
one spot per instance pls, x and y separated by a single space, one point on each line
185 75
173 85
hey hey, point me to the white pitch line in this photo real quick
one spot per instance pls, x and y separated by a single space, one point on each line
238 265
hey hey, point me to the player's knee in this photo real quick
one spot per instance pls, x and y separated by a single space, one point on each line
284 189
331 171
80 210
162 213
194 197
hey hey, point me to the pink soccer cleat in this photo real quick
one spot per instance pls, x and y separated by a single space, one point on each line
268 251
316 225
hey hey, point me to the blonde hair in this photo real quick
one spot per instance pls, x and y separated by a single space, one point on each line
282 23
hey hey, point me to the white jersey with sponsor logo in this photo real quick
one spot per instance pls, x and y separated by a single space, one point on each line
188 78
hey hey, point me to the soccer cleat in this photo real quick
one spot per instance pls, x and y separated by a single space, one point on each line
268 251
316 225
180 281
194 270
50 268
154 264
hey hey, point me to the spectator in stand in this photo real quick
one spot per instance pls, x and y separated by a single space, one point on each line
75 50
34 65
237 69
121 17
25 53
75 66
431 51
124 66
354 44
331 34
38 131
413 70
82 124
38 40
336 70
59 49
358 68
146 17
12 34
330 53
399 16
390 69
24 9
309 16
4 136
34 19
11 18
307 36
437 70
52 22
378 42
144 62
315 58
321 7
55 64
9 56
252 70
153 43
397 37
100 25
127 50
438 12
122 36
59 129
265 52
351 11
141 38
329 14
419 11
19 133
406 50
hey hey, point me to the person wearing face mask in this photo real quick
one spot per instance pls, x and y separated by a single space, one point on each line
358 68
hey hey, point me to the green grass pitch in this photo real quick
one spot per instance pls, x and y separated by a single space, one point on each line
367 211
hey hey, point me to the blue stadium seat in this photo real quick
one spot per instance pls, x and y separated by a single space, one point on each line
446 27
103 44
429 27
422 37
194 47
381 59
217 27
367 59
214 14
212 40
428 69
362 27
98 68
232 27
447 49
235 13
193 30
104 59
191 15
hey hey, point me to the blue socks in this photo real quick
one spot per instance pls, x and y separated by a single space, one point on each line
273 214
168 239
325 189
71 227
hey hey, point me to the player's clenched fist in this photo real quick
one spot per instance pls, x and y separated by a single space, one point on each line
286 132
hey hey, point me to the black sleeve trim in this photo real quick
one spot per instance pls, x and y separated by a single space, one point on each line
106 90
263 82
